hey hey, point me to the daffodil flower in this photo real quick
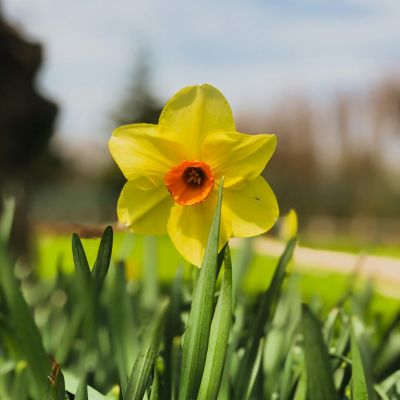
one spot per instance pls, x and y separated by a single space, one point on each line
173 171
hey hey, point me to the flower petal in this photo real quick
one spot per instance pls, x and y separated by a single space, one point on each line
252 210
144 211
189 227
193 113
237 156
141 150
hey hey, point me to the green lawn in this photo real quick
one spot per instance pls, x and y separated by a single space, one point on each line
322 287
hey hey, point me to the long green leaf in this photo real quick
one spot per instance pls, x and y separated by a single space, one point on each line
176 363
198 327
144 364
56 384
69 334
150 291
219 335
361 381
280 337
6 219
122 327
20 385
265 313
81 392
27 334
80 260
72 384
174 327
320 385
242 262
154 394
103 258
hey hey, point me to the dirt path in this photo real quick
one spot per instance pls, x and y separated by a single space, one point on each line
385 271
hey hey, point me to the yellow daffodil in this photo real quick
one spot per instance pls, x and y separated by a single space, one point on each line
174 169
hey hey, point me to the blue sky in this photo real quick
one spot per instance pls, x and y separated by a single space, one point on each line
255 52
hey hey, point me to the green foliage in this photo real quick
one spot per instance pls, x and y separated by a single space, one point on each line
95 334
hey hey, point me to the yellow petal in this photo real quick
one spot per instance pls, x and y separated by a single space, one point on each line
193 113
144 211
252 210
189 227
237 156
141 150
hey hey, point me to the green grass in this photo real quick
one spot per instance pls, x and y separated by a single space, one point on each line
352 245
162 335
319 286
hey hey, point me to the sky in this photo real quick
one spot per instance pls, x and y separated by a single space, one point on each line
256 51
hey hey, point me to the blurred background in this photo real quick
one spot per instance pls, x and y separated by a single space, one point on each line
323 76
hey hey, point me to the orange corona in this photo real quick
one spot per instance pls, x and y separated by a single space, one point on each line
190 182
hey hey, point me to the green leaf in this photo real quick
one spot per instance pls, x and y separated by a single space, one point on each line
26 332
56 383
390 381
82 392
72 384
174 327
6 219
265 313
150 291
361 381
301 388
80 260
113 394
176 359
103 258
154 387
122 327
242 262
381 393
198 327
255 371
144 364
69 334
280 337
20 384
320 385
219 335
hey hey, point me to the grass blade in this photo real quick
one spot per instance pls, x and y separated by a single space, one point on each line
243 260
174 328
265 314
320 385
361 381
144 364
56 387
198 327
255 372
72 385
176 360
103 258
20 385
121 323
219 335
150 292
154 394
81 392
26 332
80 260
6 219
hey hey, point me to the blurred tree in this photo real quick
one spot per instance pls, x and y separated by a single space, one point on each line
26 122
139 104
26 118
